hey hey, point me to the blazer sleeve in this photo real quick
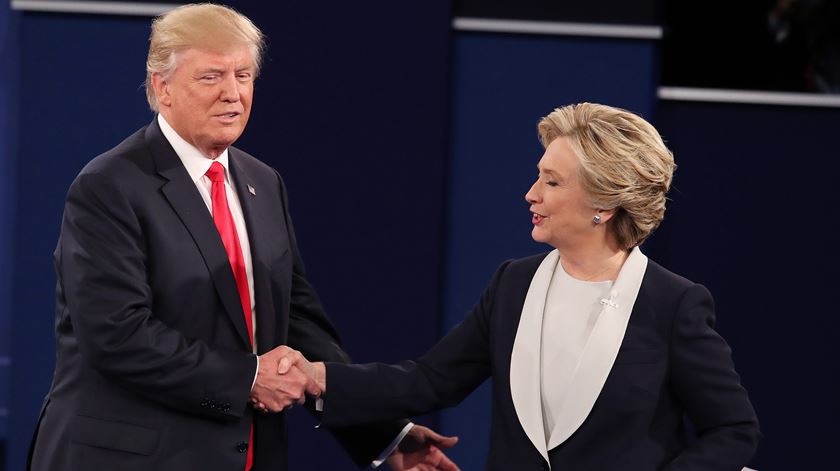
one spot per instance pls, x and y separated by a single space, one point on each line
313 334
443 377
704 379
102 265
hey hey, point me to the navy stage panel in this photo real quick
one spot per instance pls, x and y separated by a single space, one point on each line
752 200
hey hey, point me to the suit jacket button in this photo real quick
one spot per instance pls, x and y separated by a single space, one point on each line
242 447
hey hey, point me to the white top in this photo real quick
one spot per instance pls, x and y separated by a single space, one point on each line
571 309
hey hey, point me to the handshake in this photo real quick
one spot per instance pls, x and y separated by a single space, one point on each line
284 378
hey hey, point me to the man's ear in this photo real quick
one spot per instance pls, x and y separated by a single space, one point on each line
161 89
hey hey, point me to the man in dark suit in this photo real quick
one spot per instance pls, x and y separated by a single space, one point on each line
178 278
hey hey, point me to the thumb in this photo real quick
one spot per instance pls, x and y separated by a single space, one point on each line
445 442
438 439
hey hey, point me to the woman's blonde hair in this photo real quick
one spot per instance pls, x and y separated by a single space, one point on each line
204 26
624 165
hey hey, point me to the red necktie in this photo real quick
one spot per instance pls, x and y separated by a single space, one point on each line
230 239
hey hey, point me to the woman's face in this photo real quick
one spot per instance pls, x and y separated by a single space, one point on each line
560 210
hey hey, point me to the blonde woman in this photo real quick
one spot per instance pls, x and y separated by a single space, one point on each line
597 354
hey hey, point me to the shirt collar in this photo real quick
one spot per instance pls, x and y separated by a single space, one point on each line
195 162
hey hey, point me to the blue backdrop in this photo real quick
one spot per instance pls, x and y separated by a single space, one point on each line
407 150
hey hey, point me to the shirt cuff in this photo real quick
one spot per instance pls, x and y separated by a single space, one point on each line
391 447
255 372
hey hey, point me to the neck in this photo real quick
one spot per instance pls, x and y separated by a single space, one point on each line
211 152
599 262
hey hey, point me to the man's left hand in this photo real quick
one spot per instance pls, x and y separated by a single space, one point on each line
420 451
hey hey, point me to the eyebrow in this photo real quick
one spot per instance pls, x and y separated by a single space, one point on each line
210 71
547 170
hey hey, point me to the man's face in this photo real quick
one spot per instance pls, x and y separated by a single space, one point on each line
207 99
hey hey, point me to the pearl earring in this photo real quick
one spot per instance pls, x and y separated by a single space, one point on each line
597 219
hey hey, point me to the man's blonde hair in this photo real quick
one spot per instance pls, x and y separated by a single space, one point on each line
204 26
624 165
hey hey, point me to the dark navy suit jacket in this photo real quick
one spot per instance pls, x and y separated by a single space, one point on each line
671 365
153 366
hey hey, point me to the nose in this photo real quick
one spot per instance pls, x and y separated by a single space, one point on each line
229 89
533 196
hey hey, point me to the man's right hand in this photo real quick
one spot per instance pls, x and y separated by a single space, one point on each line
274 391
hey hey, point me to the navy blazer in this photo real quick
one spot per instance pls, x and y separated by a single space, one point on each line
153 364
671 364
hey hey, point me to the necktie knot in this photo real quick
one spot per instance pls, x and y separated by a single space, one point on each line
216 172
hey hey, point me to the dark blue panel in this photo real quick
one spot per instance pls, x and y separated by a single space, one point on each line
502 85
79 96
351 108
8 140
753 199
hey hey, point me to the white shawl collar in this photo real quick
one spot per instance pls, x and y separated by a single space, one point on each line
596 359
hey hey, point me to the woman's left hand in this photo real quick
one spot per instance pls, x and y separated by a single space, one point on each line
420 450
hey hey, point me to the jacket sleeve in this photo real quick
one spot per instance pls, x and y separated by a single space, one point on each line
102 267
704 379
443 377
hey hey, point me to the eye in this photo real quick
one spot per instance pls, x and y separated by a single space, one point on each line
243 76
552 183
209 78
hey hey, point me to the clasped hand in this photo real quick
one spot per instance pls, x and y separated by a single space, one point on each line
284 378
420 449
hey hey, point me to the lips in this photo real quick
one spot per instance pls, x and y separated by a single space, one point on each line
229 117
536 218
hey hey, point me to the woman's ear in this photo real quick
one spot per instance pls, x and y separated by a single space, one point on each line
603 215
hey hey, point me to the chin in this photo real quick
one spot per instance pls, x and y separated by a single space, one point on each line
225 140
538 236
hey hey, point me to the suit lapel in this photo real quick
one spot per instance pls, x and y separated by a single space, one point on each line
249 199
182 195
601 349
525 359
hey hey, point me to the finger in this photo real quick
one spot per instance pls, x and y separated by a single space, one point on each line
446 464
284 365
312 387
